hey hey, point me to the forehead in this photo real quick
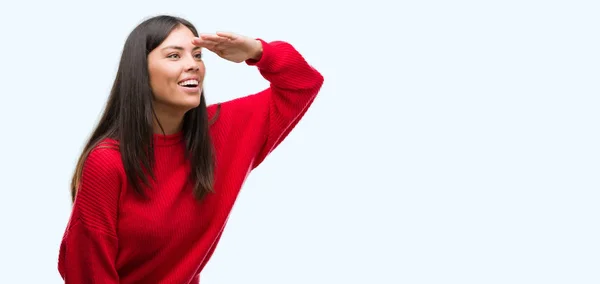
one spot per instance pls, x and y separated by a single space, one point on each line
181 36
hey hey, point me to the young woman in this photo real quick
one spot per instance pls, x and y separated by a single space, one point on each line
160 173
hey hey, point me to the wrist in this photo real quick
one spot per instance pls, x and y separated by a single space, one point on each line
258 51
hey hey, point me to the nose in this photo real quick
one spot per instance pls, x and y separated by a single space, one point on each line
193 67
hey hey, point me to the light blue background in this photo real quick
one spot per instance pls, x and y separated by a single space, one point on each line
452 142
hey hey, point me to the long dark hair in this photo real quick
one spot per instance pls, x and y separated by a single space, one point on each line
129 113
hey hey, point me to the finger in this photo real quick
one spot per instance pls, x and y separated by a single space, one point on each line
212 48
204 43
216 47
228 35
213 37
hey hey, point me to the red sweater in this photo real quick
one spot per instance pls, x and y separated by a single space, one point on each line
115 237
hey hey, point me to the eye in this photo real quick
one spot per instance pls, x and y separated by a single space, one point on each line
173 55
198 56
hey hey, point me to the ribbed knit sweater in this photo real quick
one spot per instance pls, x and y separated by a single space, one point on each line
114 236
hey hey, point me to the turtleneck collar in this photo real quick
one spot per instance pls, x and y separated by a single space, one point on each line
169 139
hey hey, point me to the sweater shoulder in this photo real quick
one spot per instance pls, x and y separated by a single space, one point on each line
105 158
102 172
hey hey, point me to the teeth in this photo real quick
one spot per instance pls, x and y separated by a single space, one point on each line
189 82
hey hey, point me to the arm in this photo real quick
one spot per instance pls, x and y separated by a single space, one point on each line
294 84
89 246
275 111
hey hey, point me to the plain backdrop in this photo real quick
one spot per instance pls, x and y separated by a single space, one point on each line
452 141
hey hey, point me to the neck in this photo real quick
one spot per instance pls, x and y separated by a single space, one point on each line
170 121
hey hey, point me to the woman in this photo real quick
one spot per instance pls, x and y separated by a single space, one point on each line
155 183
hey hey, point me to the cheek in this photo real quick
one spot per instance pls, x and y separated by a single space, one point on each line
161 80
202 71
201 67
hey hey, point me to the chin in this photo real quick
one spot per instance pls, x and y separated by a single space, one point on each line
190 104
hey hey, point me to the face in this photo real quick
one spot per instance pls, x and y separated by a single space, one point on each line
176 72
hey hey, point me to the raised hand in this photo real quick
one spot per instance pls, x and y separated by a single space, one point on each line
230 46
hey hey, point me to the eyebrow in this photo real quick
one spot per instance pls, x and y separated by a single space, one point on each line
179 47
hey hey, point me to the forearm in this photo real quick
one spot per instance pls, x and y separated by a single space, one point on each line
286 69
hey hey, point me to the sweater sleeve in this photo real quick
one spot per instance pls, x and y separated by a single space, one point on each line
89 246
293 86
